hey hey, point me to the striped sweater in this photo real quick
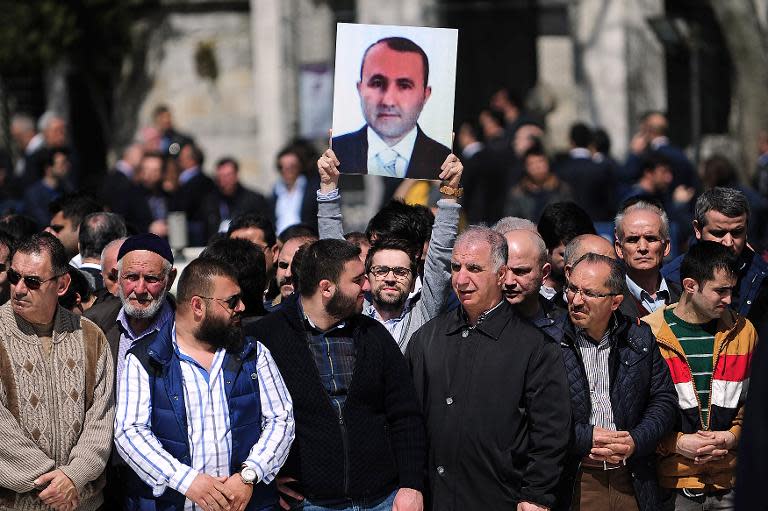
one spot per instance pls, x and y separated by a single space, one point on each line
735 342
56 409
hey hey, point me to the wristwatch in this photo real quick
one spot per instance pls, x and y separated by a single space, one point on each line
449 190
248 475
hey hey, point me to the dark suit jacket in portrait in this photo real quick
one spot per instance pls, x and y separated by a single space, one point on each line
428 155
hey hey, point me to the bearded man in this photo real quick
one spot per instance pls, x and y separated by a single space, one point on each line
204 420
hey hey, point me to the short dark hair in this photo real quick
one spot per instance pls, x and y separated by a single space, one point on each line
324 260
195 153
160 109
97 230
412 223
228 160
653 159
703 258
298 231
197 278
75 207
247 260
356 237
49 244
254 221
728 201
400 44
580 135
48 155
616 279
602 141
536 149
391 244
560 222
79 286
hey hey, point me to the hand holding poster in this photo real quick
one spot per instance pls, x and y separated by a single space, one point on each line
393 99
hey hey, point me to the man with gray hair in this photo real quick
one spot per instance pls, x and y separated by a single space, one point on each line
52 129
491 388
514 223
722 215
27 140
642 242
96 231
621 394
145 275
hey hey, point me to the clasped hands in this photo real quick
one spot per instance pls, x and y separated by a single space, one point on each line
611 446
705 446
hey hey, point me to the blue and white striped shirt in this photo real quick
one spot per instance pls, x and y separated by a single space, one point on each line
208 426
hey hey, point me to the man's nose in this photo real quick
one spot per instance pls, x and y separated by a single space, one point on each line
366 285
389 95
727 298
727 240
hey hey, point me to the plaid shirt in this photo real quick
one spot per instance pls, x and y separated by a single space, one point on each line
333 351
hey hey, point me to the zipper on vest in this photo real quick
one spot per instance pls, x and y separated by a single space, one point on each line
345 446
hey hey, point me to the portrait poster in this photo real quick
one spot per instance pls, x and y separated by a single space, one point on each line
393 99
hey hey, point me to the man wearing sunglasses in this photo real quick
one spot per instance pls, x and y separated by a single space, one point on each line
56 379
622 397
204 418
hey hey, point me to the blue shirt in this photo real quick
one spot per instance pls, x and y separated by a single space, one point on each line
646 300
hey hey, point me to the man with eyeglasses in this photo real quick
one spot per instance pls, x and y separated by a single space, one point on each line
402 314
642 242
203 416
708 348
56 383
145 273
622 397
359 433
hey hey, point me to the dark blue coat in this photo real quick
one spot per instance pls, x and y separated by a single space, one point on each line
169 417
643 400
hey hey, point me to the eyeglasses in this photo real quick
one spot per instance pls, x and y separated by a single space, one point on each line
30 281
586 294
232 302
400 272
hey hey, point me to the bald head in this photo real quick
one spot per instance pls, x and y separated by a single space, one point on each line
530 243
587 244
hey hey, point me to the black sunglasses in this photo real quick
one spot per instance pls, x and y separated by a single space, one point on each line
31 282
231 302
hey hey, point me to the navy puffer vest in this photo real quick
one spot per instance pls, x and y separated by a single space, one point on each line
169 417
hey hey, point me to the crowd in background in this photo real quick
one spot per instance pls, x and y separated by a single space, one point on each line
591 350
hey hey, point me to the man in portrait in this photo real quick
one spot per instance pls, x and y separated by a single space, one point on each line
393 90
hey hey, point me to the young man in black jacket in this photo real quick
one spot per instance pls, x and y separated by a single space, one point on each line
359 432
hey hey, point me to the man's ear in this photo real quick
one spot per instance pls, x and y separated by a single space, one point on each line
63 284
196 305
667 247
617 248
502 275
360 87
427 92
546 269
697 229
616 301
327 288
567 271
690 285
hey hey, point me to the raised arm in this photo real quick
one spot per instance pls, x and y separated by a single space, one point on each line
329 219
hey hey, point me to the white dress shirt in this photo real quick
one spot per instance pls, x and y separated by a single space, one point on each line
380 154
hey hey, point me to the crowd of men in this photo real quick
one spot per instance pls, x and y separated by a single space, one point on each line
421 364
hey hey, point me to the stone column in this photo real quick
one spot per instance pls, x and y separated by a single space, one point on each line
274 78
620 64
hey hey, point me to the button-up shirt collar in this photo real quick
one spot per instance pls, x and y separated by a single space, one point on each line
404 149
485 322
128 337
188 174
646 300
